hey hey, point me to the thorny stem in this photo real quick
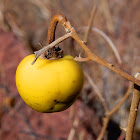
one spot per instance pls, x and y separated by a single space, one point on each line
133 111
97 59
98 93
51 31
59 18
90 54
44 49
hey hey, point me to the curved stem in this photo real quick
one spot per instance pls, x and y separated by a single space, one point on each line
51 31
59 18
90 54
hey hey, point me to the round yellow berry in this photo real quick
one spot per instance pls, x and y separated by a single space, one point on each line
49 85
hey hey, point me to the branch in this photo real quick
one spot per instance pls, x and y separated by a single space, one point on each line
107 14
109 42
44 49
97 59
121 101
90 23
91 55
106 121
97 92
133 110
110 113
51 31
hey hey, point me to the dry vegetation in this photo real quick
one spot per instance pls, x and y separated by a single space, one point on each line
24 24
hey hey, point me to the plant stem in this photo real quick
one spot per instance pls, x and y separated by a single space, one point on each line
91 55
133 111
111 44
121 101
103 130
98 93
90 23
44 49
51 31
97 59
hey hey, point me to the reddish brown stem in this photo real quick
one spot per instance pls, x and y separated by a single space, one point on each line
59 18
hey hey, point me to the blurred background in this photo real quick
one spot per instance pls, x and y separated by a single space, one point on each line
24 24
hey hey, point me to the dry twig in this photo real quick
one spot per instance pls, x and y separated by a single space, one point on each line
110 113
90 23
41 51
98 93
103 130
97 59
123 99
106 11
113 47
133 111
90 54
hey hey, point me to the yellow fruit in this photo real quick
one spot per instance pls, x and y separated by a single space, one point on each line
49 85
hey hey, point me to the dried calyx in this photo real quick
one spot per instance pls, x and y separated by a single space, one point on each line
54 53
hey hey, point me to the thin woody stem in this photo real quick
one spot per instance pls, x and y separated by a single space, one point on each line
97 59
59 18
90 23
133 111
51 31
44 49
98 93
91 55
108 114
111 44
106 121
123 99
